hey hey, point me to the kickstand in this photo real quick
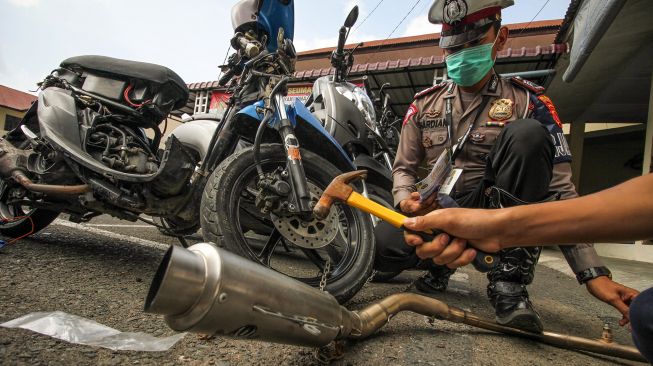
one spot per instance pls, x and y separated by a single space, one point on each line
183 241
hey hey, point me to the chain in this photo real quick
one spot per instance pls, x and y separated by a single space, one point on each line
370 278
327 269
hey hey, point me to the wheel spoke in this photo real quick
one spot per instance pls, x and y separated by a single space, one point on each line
268 249
315 258
334 254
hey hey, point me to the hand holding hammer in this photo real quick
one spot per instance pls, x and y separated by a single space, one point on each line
340 190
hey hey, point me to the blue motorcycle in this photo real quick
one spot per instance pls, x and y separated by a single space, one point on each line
271 161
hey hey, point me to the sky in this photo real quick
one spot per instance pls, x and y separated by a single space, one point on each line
192 36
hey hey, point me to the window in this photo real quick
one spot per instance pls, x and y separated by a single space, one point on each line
11 122
202 102
439 76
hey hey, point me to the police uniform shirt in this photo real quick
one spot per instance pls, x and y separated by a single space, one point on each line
424 136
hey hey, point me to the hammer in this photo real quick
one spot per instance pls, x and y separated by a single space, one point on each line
340 190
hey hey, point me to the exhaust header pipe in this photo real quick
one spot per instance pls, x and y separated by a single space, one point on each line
207 290
12 163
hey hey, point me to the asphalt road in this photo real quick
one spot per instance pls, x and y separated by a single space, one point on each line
102 272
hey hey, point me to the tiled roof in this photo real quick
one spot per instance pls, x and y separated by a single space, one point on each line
435 60
534 26
203 85
411 62
15 99
422 61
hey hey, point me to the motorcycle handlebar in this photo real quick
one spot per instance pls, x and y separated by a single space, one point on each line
341 41
226 77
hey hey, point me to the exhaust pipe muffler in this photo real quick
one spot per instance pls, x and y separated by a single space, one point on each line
208 290
212 291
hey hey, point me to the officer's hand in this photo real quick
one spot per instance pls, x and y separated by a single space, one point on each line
613 293
413 206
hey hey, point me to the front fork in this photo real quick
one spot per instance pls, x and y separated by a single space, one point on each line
295 167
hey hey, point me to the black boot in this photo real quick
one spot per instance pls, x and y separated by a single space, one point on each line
512 306
435 280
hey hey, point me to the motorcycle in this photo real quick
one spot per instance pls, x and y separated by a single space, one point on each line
81 149
258 202
348 114
386 146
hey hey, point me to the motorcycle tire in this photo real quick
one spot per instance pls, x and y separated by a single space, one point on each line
20 222
220 212
383 197
30 221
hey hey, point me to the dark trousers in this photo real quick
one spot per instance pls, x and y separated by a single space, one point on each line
519 164
641 320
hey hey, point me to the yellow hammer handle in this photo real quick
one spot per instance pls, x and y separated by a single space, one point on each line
392 217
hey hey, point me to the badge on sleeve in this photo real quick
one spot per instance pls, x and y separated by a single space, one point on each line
412 111
501 109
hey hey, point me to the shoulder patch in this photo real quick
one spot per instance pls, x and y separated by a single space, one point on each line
527 84
552 109
412 111
430 90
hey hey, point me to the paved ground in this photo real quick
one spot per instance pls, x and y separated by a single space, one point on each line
102 272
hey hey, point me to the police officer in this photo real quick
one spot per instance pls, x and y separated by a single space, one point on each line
512 151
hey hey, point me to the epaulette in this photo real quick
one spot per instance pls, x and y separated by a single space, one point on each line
430 90
528 85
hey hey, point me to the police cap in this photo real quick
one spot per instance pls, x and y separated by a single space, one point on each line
465 21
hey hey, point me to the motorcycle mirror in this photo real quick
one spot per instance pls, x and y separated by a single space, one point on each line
352 17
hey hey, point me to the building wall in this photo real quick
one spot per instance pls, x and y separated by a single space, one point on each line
611 160
4 112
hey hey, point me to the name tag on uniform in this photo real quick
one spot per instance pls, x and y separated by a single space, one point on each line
438 174
451 181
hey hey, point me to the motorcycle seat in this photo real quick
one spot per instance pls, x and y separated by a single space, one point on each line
132 69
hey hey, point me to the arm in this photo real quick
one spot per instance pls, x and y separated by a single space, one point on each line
579 256
624 212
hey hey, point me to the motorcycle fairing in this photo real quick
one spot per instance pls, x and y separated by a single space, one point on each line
312 136
275 14
197 135
376 172
267 16
59 125
342 118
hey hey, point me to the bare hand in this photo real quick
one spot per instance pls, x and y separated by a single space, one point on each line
613 293
413 205
472 227
442 250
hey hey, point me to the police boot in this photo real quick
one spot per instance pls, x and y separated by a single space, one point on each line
435 280
512 306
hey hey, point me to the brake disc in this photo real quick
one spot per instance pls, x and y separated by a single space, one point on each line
314 234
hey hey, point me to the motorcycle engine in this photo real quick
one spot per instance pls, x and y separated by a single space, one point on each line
121 148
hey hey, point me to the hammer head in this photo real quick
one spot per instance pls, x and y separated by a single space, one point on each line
338 190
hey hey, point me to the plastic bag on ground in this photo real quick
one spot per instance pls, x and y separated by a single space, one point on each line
78 330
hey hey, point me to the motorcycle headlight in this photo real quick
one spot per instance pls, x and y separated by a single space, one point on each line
362 102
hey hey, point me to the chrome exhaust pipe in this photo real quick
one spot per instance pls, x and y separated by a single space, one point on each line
208 290
211 291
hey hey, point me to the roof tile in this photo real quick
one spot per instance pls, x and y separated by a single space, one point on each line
15 99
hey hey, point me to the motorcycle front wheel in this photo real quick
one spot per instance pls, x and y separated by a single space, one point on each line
230 219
